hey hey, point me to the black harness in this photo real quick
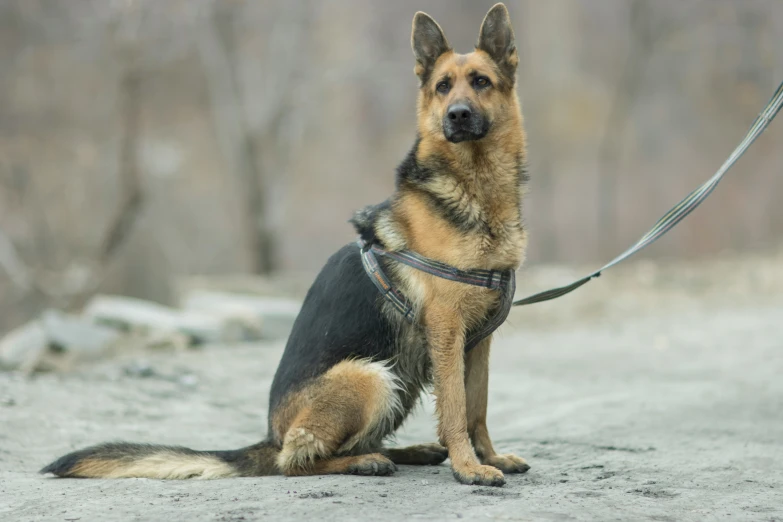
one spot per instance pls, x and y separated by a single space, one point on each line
501 280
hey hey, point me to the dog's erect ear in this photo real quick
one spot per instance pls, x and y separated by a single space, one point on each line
428 42
496 38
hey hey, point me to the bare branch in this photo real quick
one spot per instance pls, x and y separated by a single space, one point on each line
218 55
13 265
130 208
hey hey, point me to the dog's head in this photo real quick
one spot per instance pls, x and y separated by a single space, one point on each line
463 95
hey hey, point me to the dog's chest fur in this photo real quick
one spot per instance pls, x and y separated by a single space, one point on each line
481 225
463 211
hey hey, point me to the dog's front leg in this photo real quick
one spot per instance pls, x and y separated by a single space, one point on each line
446 339
476 386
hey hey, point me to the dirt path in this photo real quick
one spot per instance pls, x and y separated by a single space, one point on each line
671 412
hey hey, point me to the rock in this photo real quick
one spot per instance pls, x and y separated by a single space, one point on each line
76 334
188 381
241 322
274 316
139 369
161 340
137 315
23 348
53 340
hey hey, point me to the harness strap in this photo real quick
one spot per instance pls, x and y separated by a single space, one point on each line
498 317
374 271
504 280
492 279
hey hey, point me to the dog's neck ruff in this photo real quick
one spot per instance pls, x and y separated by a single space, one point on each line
502 280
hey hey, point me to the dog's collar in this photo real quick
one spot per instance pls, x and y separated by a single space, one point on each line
503 280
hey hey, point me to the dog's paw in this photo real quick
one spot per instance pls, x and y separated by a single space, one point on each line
372 464
432 454
507 463
420 455
480 476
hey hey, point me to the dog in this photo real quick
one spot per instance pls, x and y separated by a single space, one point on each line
354 366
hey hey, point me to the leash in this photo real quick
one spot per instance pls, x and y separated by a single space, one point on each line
682 209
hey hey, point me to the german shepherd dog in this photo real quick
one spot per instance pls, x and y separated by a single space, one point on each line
353 368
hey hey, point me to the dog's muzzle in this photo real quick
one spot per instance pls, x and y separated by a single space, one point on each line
463 123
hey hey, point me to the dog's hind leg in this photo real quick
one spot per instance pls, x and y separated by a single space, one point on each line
369 464
419 455
339 420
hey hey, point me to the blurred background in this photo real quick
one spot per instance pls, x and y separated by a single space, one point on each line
145 140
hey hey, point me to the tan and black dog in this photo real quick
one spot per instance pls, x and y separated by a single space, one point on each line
353 368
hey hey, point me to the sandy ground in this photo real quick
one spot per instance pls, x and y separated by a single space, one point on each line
654 394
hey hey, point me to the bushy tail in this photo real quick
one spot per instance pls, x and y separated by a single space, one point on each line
125 460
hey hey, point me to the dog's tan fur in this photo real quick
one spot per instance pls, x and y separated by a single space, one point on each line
160 466
336 414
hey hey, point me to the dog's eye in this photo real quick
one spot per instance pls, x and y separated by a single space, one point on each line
481 81
442 87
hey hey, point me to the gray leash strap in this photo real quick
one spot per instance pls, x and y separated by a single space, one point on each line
682 209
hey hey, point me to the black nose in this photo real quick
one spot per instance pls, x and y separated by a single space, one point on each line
459 112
